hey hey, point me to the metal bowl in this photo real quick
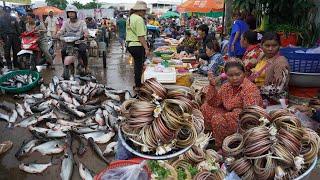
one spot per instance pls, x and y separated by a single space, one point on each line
304 79
169 155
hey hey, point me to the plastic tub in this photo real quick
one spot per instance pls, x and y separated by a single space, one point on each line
23 88
304 79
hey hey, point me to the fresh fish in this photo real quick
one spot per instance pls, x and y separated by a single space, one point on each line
97 150
94 101
110 148
55 96
67 166
27 107
113 121
87 108
75 89
18 80
51 147
61 115
81 90
98 117
90 129
55 134
4 117
32 96
38 129
13 118
55 81
72 110
66 98
84 172
68 123
112 96
26 147
50 115
27 122
75 102
47 110
52 88
86 90
34 168
20 110
106 117
59 127
100 137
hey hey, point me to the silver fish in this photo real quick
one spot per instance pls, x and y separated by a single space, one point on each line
67 166
13 118
75 102
27 122
38 129
36 96
110 148
55 134
84 172
27 107
66 98
68 123
26 147
97 150
20 110
90 129
59 127
4 117
100 137
98 117
112 96
51 147
34 168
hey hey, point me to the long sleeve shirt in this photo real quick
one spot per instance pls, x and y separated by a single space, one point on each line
78 28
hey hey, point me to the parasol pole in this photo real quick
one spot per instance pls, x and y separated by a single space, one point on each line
4 3
223 17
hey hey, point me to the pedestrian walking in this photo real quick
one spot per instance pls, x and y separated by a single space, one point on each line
121 27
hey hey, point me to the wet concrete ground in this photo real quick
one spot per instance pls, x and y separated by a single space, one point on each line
118 74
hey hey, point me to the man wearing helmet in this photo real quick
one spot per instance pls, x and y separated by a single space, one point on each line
78 27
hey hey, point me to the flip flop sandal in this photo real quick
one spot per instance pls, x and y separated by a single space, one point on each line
5 146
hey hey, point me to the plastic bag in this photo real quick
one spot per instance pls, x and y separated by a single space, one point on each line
132 172
232 176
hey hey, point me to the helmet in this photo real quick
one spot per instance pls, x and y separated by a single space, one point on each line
71 8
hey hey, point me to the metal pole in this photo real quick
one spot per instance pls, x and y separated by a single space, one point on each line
4 3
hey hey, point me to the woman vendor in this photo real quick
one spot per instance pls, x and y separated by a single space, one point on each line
215 63
251 41
271 74
188 44
222 107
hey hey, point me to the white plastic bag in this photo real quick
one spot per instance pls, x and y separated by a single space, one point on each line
132 172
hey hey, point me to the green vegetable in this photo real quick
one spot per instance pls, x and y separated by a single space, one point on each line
161 172
193 170
181 174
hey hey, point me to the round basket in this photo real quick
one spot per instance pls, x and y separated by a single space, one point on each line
169 155
159 53
121 163
23 88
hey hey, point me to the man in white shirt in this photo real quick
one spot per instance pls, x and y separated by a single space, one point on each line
51 24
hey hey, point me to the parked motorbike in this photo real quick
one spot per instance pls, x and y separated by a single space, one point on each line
71 61
30 55
95 35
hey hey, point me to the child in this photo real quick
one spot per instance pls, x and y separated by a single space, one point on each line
215 62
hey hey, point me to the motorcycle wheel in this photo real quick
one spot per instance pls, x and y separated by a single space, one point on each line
104 59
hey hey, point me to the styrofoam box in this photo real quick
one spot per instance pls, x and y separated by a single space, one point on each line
168 76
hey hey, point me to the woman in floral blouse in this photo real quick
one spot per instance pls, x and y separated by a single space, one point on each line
251 41
188 44
222 107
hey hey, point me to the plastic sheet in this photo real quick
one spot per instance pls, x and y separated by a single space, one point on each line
132 172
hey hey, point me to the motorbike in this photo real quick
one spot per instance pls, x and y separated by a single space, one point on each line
30 55
95 37
71 62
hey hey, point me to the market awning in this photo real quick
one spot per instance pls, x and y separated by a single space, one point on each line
46 9
203 6
170 14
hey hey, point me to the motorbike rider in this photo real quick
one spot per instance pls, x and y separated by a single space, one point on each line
39 28
76 26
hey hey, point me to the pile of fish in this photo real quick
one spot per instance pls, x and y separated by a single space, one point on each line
65 111
18 81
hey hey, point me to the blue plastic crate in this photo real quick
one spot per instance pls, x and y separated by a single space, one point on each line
300 62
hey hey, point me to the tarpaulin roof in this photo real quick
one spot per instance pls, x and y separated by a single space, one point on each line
202 6
170 14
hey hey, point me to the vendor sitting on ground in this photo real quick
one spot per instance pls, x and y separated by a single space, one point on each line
251 41
188 44
205 37
215 63
222 107
271 74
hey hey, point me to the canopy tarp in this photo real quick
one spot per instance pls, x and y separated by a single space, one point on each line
19 1
202 6
46 9
170 14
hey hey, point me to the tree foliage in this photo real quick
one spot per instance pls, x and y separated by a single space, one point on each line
78 5
61 4
91 5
